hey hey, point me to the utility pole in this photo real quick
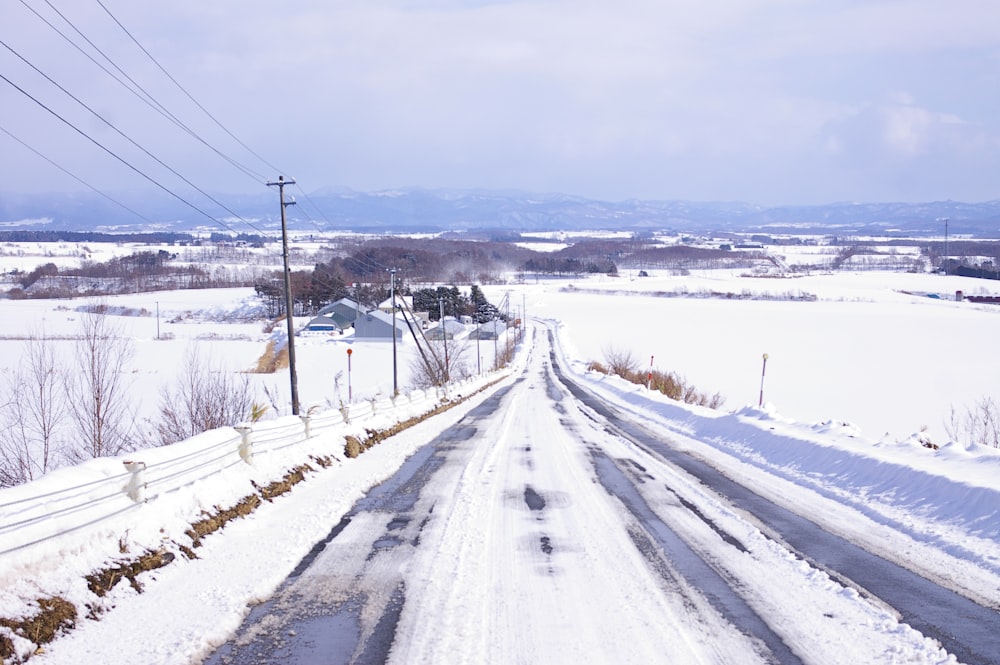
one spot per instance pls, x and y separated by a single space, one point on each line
479 335
392 292
506 302
444 336
280 184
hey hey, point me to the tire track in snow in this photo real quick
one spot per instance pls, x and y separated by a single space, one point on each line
494 543
533 563
964 628
682 568
343 601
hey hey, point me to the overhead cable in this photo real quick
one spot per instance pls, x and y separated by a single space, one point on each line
126 137
182 89
114 155
77 178
136 89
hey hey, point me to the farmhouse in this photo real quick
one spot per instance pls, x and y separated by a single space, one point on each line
448 329
406 302
323 323
377 325
489 330
343 312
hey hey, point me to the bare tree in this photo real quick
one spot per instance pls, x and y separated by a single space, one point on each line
17 452
98 390
621 362
33 415
441 367
979 424
206 397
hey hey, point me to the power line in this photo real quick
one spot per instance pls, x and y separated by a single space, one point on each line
126 137
316 208
136 89
116 156
182 89
101 52
75 177
366 262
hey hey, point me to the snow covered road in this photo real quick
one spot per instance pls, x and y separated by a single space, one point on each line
492 544
535 531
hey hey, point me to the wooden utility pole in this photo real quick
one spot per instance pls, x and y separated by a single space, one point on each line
392 295
280 184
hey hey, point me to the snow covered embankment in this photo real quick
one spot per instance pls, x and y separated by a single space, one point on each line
69 539
932 510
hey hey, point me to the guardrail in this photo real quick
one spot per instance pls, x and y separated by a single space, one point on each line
30 517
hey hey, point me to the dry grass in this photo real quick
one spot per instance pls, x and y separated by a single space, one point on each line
221 517
671 384
353 447
279 487
325 461
103 581
55 615
270 362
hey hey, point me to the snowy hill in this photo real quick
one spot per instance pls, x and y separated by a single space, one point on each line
436 210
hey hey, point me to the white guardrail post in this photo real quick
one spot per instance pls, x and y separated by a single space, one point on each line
136 486
246 445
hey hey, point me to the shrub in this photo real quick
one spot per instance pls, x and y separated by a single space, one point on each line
206 397
352 447
621 363
980 424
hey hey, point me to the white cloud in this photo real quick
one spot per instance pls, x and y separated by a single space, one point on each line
588 96
906 128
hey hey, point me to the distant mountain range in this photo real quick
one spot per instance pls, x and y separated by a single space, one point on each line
439 210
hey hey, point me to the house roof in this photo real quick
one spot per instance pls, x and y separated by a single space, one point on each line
386 305
378 324
343 311
323 322
489 330
495 325
447 328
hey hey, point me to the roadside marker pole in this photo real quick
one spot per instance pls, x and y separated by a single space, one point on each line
763 369
350 393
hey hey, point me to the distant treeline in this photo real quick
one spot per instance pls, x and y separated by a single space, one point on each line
145 238
979 273
139 272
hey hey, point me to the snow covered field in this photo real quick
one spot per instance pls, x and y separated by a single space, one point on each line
864 353
852 377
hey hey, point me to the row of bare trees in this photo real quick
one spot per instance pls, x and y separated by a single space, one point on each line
455 360
142 271
63 410
978 423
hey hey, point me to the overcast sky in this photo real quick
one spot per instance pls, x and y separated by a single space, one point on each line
764 101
